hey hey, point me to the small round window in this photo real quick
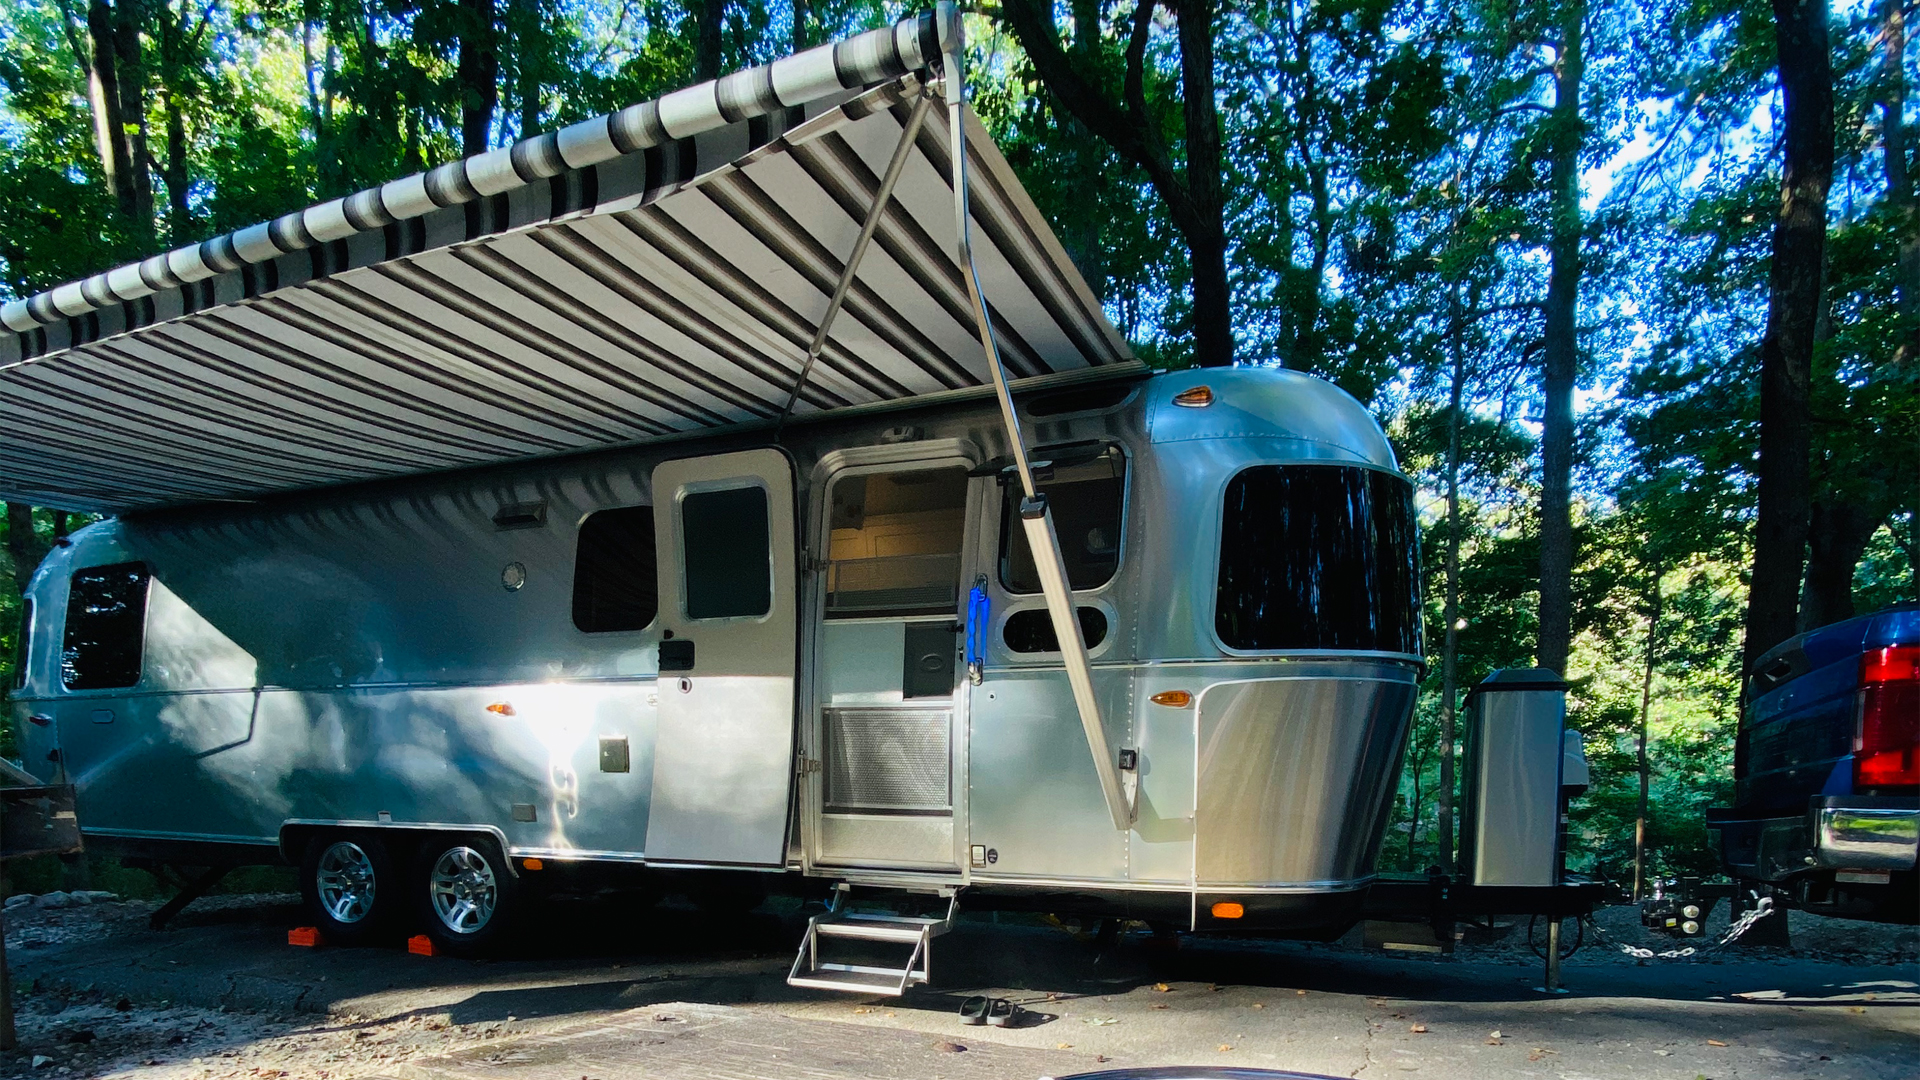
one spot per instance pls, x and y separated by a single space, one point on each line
1031 631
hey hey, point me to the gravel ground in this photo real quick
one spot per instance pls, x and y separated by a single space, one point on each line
83 1035
89 1030
1813 937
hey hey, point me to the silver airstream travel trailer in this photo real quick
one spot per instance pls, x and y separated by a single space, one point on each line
641 497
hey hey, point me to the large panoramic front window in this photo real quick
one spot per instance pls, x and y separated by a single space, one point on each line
1318 557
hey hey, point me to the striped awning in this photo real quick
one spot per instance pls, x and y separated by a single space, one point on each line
642 275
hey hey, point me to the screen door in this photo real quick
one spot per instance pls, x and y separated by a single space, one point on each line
723 758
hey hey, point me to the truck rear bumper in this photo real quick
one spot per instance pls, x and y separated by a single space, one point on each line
1851 836
1836 833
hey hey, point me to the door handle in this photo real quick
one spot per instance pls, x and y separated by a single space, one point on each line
976 630
41 719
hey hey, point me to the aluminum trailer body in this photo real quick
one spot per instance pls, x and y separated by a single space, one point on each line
459 653
742 486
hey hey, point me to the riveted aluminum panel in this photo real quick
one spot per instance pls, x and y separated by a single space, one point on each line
1296 777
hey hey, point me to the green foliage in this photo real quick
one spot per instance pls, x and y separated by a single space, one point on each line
1386 177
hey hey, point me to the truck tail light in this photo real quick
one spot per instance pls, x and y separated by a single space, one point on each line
1886 745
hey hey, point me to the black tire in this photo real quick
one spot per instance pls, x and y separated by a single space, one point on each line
350 887
466 899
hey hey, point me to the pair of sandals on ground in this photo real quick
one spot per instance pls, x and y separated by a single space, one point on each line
991 1011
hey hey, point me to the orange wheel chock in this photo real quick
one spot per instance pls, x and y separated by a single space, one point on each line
306 936
420 945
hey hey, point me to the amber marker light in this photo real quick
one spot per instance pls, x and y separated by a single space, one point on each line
1172 699
532 864
1197 398
1227 909
501 708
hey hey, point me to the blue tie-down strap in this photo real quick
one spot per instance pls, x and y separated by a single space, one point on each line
977 609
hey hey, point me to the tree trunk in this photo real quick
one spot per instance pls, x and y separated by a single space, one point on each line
1646 708
802 33
1450 650
530 45
1192 193
709 17
1838 532
1561 351
1795 282
174 172
1207 240
23 544
103 95
478 71
1893 141
1415 767
1081 234
132 82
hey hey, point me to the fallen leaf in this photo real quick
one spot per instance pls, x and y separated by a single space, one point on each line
862 1010
1162 988
1224 1047
1302 993
1101 1021
1857 1010
946 1047
1065 1046
1495 1035
1715 1042
1259 1004
1101 1057
1418 1029
1159 1006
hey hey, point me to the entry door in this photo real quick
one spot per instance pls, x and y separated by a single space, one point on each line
723 760
888 664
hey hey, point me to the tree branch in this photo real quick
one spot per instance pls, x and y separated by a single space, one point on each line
1129 131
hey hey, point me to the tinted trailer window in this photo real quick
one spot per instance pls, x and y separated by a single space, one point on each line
1318 557
106 627
615 577
1088 499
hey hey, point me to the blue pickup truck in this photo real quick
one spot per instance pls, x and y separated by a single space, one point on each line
1827 770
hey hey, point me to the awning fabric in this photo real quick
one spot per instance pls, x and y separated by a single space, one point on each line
642 275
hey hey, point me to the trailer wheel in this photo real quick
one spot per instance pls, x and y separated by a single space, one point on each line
467 896
350 887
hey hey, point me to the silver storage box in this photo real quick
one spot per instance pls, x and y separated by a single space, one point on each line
1515 748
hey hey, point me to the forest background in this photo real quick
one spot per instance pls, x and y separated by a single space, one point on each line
1542 239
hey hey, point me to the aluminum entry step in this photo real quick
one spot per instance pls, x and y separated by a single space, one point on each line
879 928
812 971
830 977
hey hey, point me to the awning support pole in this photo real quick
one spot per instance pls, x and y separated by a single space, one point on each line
902 151
1035 517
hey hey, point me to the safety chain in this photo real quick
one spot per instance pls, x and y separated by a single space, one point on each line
1763 907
